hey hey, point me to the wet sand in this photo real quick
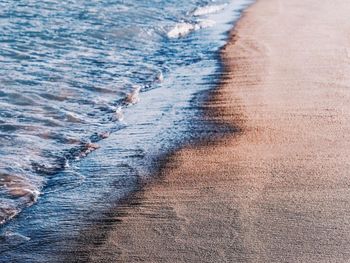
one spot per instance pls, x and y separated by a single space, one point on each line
279 189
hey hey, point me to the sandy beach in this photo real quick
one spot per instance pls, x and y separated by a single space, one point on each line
278 189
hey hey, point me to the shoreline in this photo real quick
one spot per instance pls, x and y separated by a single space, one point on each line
92 239
276 190
80 204
91 248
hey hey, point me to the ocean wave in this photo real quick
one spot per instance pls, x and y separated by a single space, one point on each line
67 97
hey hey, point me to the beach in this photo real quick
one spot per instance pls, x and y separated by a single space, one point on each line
276 189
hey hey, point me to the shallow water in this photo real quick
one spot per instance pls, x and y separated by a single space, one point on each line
91 93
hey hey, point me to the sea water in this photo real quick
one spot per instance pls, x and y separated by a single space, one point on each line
92 94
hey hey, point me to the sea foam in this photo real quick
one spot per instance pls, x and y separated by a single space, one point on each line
182 29
133 97
118 114
210 9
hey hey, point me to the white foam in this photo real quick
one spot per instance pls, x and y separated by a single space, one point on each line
31 194
16 237
183 29
210 9
133 97
204 23
118 114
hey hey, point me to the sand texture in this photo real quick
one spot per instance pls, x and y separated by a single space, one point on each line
277 190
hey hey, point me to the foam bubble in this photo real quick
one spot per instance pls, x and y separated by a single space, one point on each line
30 194
210 9
183 29
204 23
118 114
133 97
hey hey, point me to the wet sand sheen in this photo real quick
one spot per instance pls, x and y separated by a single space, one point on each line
278 190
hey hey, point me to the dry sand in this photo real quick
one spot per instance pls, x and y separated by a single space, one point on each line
278 190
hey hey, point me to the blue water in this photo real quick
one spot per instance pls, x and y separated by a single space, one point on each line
92 93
